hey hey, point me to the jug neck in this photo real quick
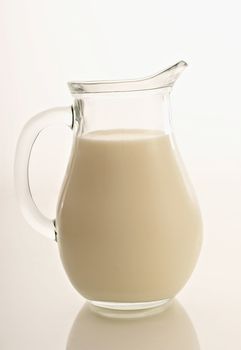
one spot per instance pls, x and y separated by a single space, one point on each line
130 104
146 109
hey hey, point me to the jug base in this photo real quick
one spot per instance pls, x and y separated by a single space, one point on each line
131 306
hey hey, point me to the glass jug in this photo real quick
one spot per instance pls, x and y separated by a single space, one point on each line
128 226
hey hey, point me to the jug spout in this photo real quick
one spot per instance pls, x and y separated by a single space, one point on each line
163 79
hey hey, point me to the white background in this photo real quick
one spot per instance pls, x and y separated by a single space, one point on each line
43 45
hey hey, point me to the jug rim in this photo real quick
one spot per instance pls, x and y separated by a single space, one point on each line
163 79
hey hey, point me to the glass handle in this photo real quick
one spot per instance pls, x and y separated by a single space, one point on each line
28 136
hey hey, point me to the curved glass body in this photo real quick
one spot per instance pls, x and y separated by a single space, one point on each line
128 223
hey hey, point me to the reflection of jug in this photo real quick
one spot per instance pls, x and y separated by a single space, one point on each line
169 330
128 225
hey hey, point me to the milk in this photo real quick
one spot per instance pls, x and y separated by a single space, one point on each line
129 228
